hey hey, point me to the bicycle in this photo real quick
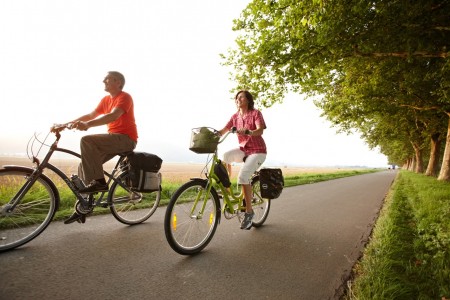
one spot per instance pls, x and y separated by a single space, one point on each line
29 199
194 210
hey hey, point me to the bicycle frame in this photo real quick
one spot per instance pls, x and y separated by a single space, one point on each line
229 198
39 170
63 176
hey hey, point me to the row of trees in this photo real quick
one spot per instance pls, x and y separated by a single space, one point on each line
381 67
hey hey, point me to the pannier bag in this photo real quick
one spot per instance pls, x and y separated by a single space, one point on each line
222 174
144 171
203 140
271 183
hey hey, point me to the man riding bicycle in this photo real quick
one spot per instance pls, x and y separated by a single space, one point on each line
115 110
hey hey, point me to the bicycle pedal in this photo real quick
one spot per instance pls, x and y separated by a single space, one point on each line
82 219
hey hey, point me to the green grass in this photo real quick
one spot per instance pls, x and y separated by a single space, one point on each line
408 256
168 188
313 178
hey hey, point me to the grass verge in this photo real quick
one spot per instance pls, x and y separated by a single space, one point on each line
408 256
168 188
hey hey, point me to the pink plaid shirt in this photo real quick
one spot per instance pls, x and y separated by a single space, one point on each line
249 144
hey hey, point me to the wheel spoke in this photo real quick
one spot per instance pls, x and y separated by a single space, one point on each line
25 220
130 207
191 218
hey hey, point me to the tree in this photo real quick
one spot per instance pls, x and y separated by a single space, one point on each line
309 46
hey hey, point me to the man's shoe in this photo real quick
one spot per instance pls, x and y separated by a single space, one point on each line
76 217
94 187
247 222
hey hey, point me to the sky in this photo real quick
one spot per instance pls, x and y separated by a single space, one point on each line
55 54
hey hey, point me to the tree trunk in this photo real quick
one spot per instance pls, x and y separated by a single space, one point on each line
435 153
406 165
445 168
411 164
419 159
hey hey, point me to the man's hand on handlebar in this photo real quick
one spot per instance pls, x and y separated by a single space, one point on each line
71 125
58 127
80 125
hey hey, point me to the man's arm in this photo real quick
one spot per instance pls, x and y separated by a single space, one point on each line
86 117
85 122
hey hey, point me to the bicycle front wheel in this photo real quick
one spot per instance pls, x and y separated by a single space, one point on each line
23 221
131 207
191 218
260 205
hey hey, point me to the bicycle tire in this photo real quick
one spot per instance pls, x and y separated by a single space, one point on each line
260 205
186 231
31 215
131 207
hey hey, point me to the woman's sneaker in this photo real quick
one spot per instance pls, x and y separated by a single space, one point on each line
247 222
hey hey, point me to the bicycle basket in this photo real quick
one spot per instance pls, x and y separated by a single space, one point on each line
203 140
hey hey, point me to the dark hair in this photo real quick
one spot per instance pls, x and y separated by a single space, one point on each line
251 103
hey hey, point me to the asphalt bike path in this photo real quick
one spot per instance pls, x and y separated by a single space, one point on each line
306 249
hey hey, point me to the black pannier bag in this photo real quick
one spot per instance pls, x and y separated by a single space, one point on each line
222 174
271 182
144 171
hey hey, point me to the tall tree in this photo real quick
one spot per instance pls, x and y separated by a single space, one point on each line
306 46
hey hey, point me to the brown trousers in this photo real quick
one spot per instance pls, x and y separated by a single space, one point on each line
96 149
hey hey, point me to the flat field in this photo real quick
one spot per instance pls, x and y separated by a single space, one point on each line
171 172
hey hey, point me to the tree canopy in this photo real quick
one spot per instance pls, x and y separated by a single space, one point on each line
381 67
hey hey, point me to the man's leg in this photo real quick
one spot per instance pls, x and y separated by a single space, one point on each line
98 149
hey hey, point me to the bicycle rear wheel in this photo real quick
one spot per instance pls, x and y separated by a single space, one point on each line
191 218
260 205
23 222
131 207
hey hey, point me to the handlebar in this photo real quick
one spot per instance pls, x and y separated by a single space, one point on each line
235 130
57 128
232 130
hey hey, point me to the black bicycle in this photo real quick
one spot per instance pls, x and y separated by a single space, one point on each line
29 198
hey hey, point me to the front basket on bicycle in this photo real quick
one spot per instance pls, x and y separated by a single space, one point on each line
203 140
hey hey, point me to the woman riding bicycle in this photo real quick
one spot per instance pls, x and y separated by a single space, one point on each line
252 148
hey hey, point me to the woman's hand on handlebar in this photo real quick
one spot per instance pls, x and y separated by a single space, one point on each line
241 131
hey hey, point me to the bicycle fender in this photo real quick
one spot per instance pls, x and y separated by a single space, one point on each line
198 179
44 177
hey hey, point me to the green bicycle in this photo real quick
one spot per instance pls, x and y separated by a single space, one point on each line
194 210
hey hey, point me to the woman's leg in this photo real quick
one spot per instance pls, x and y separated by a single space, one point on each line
252 163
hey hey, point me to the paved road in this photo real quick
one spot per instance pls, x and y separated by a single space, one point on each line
306 249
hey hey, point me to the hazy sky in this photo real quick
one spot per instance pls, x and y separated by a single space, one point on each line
55 54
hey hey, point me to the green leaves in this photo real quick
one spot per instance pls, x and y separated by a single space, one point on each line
372 61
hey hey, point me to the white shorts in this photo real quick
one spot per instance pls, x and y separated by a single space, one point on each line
252 163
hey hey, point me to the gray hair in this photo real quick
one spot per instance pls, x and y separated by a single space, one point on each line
119 76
